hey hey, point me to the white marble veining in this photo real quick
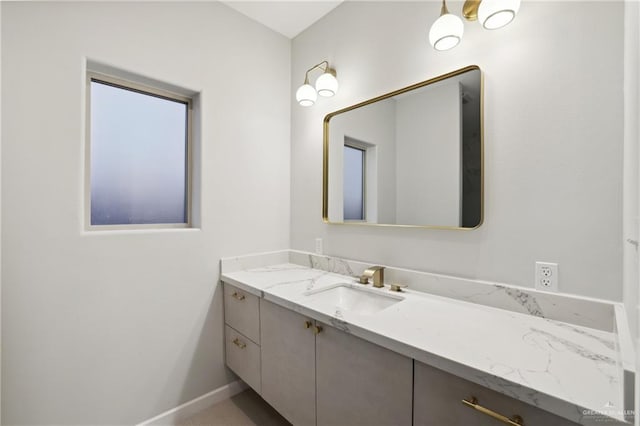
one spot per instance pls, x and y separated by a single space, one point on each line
565 368
574 309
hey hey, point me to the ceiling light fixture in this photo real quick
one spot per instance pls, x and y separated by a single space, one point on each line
446 31
326 85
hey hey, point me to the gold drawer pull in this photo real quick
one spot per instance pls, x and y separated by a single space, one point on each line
239 344
307 324
238 296
515 420
317 329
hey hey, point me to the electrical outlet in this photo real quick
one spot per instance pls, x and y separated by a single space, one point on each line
547 276
318 245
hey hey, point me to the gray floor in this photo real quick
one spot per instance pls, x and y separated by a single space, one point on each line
243 409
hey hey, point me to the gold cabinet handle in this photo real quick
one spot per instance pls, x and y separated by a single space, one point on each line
317 329
239 344
308 324
238 296
515 420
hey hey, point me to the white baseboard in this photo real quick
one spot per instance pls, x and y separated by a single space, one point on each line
196 405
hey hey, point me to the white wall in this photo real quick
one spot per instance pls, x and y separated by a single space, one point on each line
553 133
429 157
631 160
116 327
0 213
631 295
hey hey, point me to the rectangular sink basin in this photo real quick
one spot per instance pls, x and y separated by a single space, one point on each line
351 298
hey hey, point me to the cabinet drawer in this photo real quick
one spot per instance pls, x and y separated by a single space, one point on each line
438 401
243 357
242 312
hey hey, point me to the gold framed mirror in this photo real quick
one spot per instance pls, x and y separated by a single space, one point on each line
411 158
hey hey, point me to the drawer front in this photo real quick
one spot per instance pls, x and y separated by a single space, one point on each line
438 401
242 312
243 357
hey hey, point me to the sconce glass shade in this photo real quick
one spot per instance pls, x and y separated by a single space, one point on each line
306 95
494 14
327 84
446 32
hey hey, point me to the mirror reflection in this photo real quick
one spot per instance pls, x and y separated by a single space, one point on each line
412 157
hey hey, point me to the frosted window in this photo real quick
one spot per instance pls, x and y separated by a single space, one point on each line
138 157
353 183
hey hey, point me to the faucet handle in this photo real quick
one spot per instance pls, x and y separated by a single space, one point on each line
363 279
397 287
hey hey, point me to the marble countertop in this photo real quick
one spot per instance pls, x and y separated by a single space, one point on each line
570 370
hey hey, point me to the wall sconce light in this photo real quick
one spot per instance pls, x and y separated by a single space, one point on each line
326 85
447 31
492 14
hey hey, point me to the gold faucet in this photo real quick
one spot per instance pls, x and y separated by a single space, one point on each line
375 272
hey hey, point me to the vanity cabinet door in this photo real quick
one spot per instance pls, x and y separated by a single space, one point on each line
438 401
288 363
359 383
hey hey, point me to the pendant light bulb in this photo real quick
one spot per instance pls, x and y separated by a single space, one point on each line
327 84
494 14
446 32
306 95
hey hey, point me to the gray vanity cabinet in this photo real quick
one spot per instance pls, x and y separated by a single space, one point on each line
438 401
288 363
359 383
315 374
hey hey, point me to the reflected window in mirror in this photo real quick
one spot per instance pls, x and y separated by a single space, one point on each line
354 181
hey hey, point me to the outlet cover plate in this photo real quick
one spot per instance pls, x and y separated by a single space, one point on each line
546 276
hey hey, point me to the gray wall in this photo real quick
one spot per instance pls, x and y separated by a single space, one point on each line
117 327
553 138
